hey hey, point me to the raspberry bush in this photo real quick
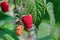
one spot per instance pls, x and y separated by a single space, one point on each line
29 20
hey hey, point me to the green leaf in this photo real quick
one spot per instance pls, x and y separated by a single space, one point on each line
36 8
50 12
44 29
8 35
45 38
56 34
5 19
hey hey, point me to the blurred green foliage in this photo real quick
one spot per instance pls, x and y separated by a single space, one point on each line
41 21
56 9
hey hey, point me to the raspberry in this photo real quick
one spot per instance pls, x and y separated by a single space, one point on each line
5 6
27 21
18 30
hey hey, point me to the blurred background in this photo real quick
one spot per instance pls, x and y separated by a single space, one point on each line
46 19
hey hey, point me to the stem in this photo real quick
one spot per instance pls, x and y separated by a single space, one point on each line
15 4
44 5
21 10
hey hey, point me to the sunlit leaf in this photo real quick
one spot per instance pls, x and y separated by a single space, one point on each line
44 29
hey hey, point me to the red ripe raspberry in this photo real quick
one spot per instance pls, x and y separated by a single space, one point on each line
27 21
5 6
